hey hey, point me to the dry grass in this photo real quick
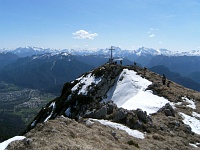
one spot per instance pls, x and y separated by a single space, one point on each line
66 134
63 133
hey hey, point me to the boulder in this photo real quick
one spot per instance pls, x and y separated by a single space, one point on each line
101 113
142 116
89 114
168 110
111 107
120 114
187 129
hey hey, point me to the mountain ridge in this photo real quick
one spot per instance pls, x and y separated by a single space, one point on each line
30 50
82 99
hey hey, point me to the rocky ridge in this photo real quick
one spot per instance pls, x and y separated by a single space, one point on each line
166 126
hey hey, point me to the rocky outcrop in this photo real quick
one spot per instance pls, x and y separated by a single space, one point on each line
135 119
168 110
142 116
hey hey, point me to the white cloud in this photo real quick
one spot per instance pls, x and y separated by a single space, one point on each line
151 35
151 32
82 34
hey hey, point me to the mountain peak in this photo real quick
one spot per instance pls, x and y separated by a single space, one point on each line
129 95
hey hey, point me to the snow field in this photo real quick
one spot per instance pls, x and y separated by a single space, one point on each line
129 93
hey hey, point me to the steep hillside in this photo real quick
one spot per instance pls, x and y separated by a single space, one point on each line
7 58
183 65
159 116
45 72
195 76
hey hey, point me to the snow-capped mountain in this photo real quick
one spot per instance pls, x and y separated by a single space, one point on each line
29 51
132 96
142 51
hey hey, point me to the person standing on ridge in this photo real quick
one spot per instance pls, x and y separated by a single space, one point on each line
163 79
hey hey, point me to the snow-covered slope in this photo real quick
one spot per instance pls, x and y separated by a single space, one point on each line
130 92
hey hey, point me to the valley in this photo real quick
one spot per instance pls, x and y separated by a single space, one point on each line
18 106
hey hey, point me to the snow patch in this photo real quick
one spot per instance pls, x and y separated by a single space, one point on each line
134 133
146 101
127 86
85 82
129 93
4 144
194 145
33 123
192 122
53 64
196 115
53 104
191 102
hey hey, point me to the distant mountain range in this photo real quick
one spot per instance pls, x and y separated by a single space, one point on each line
142 51
47 69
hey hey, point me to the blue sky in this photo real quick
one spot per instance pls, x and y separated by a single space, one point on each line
89 24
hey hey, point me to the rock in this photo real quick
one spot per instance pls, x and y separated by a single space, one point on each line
101 113
114 134
142 116
27 141
89 122
121 114
89 114
168 110
188 129
110 107
138 125
174 123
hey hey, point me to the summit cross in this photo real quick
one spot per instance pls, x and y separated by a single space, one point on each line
111 57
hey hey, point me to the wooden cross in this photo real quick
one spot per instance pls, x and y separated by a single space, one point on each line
111 57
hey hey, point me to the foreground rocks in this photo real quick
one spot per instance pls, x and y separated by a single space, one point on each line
134 119
67 134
